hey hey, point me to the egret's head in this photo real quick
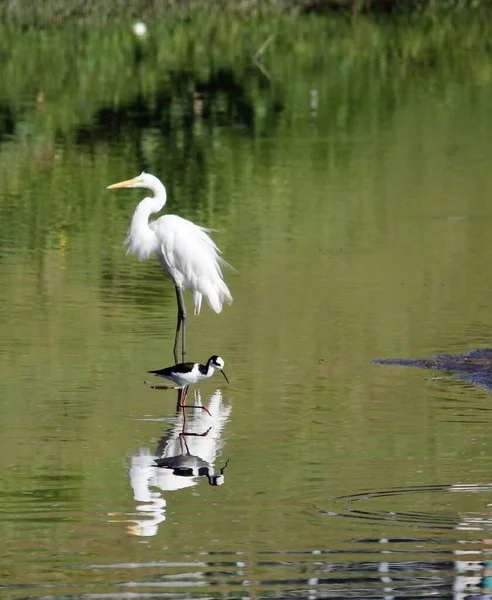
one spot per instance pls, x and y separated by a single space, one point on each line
144 180
216 362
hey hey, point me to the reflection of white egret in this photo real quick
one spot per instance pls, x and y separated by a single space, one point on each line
183 249
139 473
148 481
174 445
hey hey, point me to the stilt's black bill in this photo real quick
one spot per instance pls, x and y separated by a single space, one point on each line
224 376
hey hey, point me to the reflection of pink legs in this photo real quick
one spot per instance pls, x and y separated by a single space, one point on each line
187 433
182 398
184 434
182 393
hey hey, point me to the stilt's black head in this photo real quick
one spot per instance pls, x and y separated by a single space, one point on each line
218 363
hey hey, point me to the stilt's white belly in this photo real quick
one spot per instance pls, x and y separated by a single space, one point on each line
182 379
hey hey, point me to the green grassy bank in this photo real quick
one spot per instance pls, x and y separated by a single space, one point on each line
53 12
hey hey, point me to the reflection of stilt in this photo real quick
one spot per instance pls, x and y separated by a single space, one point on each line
196 439
184 434
187 463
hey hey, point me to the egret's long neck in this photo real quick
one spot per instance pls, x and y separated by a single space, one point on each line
160 195
153 204
141 239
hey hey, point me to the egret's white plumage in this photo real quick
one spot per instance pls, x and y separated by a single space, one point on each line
192 259
183 249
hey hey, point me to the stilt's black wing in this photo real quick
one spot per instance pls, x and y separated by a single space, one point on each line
179 368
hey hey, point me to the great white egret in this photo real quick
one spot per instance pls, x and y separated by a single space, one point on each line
189 373
183 249
139 29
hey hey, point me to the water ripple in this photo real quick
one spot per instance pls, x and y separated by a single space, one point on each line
418 519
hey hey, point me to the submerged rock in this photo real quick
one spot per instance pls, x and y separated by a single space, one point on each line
474 366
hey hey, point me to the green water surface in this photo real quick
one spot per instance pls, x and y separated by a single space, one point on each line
348 178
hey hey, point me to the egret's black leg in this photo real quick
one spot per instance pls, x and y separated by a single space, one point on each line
181 321
175 349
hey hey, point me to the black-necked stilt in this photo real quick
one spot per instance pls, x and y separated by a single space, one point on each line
188 373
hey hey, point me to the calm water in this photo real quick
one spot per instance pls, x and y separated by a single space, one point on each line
355 209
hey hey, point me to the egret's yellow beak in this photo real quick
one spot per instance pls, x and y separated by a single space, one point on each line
123 184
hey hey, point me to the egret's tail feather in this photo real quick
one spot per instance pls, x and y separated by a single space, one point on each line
197 302
216 293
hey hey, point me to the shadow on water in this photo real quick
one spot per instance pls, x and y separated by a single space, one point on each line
474 366
186 452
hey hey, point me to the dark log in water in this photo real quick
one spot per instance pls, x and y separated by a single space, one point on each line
474 366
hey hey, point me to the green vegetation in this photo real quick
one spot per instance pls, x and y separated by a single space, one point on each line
53 12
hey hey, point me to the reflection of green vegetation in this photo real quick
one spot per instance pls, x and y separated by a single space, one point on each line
108 66
85 83
56 80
